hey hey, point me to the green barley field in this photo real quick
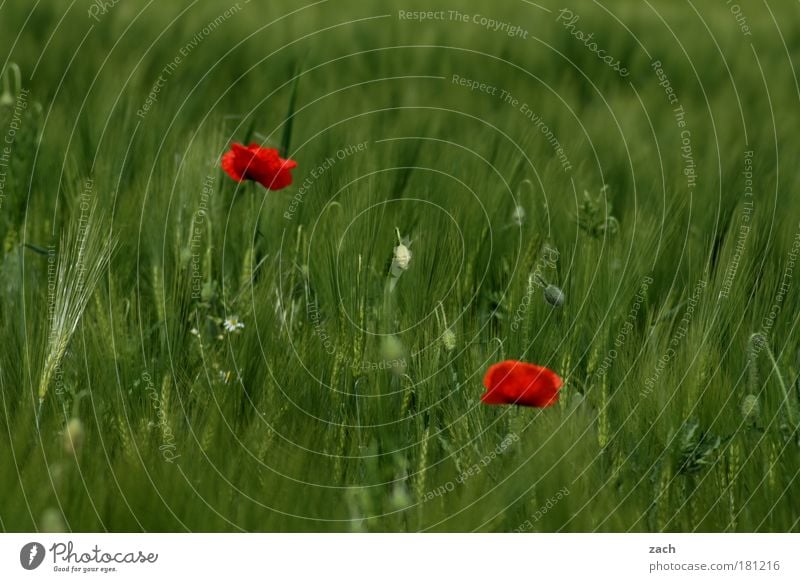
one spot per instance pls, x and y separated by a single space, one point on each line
608 189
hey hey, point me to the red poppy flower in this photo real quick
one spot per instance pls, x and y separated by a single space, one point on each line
262 165
513 382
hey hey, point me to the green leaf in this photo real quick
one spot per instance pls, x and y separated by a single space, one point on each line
286 140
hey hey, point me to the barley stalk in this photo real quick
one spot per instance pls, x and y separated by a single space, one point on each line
407 394
753 382
602 415
773 461
158 292
757 343
786 399
662 498
359 341
423 462
733 470
247 269
85 252
591 365
293 276
566 362
338 462
208 436
124 437
166 393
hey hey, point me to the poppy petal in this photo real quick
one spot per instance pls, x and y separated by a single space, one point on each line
262 165
514 382
230 167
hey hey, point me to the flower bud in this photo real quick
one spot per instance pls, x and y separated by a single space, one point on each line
393 353
7 99
52 522
399 498
402 256
518 216
73 436
554 296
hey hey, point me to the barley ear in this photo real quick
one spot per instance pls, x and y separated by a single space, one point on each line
85 252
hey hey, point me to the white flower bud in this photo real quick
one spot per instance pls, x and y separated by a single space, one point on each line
73 436
52 522
518 216
393 353
402 256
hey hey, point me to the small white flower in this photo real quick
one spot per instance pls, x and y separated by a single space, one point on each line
232 324
195 332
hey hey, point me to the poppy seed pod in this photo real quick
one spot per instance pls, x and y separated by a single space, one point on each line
554 296
7 99
52 521
518 216
73 436
393 353
402 256
399 498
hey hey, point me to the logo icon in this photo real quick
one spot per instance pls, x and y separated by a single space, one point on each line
31 555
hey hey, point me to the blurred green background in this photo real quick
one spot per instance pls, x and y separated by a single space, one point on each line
350 398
